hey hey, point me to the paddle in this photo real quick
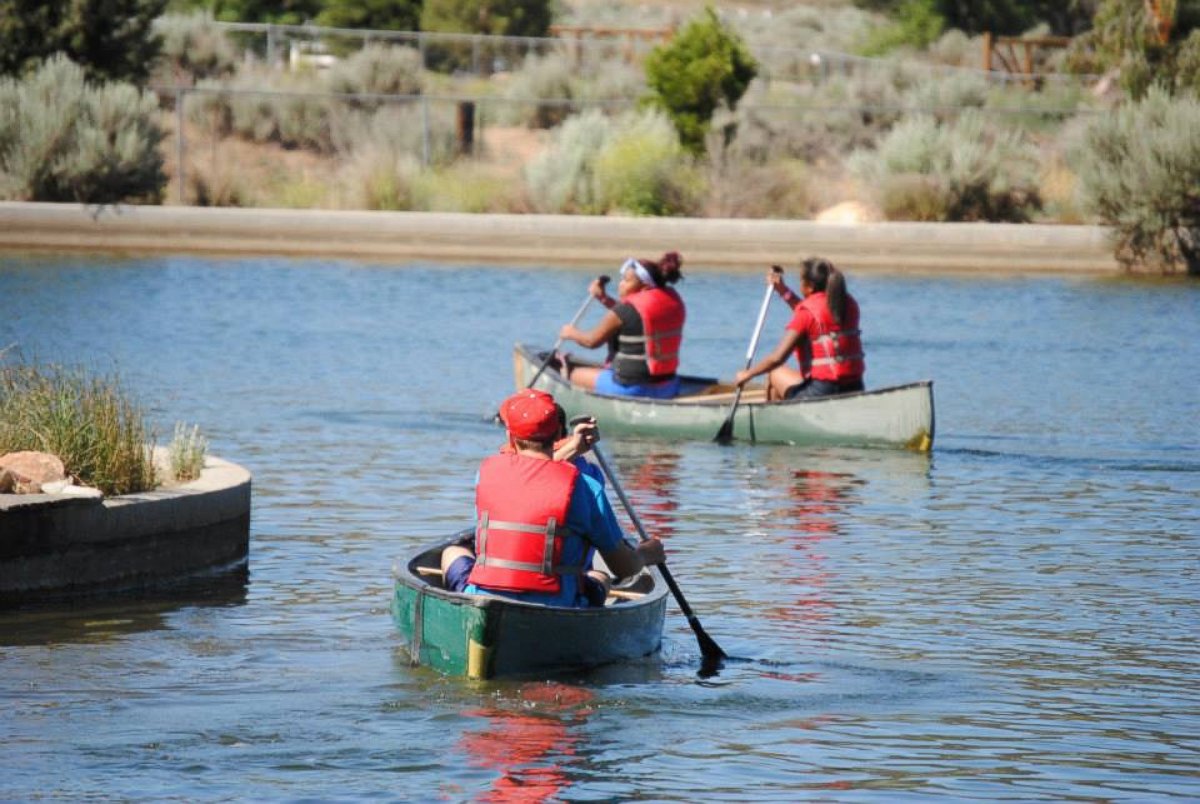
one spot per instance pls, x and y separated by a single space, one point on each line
603 280
725 434
709 649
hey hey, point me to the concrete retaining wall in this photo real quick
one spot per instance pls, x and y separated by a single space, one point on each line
58 547
557 239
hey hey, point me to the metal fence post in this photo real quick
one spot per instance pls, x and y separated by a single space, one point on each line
271 46
425 130
180 97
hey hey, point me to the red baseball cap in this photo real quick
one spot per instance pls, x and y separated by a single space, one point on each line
530 414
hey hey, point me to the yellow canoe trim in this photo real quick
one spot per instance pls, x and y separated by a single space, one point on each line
478 660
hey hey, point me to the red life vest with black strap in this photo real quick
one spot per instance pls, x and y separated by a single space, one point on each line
837 353
522 504
663 314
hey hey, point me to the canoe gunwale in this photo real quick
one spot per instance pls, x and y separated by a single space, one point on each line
408 576
529 355
896 416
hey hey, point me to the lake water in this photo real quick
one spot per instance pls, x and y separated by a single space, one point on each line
1012 617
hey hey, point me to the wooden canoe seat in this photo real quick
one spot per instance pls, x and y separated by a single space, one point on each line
723 393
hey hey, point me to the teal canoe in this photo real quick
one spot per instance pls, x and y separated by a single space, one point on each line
899 416
483 637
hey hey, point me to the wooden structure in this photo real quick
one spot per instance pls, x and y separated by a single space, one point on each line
1162 17
1001 52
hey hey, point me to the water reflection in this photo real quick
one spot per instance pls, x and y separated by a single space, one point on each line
105 619
530 740
649 473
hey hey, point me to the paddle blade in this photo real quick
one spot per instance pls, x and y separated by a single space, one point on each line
709 648
725 434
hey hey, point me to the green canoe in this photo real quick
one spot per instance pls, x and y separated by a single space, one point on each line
483 637
898 416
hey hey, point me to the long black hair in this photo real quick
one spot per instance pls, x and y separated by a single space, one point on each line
667 270
820 274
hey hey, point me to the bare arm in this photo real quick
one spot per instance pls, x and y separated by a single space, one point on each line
787 344
775 280
625 561
609 325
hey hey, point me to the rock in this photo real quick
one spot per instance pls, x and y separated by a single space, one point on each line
65 487
29 470
849 212
8 481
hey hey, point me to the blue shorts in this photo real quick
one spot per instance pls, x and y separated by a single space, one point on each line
458 572
606 383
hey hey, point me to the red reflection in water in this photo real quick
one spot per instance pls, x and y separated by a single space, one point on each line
526 740
651 488
814 503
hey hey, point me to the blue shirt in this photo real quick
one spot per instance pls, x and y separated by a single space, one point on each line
588 514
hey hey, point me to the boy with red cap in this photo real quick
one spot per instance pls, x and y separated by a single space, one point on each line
539 521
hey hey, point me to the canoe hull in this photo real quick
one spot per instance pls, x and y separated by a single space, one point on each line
484 637
896 417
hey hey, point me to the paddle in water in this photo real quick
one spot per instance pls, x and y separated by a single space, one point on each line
709 649
603 280
725 434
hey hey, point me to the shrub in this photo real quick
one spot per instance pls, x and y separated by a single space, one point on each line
633 164
187 452
562 177
1139 171
62 139
379 70
965 170
267 107
89 422
464 187
705 66
539 79
917 25
193 49
378 178
642 169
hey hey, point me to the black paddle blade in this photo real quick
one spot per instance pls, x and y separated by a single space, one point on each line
725 434
709 648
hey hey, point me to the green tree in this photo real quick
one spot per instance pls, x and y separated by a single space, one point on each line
383 15
1004 17
110 39
704 66
284 12
1148 51
497 17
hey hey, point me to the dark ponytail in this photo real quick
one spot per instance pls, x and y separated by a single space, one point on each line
666 270
823 277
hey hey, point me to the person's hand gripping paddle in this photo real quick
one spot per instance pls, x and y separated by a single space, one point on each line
603 280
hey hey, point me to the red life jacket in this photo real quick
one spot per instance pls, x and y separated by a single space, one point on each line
837 353
662 315
522 504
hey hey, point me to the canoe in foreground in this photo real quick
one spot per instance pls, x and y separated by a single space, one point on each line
898 416
486 637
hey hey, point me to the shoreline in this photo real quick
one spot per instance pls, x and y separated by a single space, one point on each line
573 240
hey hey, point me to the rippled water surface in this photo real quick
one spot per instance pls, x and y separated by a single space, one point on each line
1015 616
